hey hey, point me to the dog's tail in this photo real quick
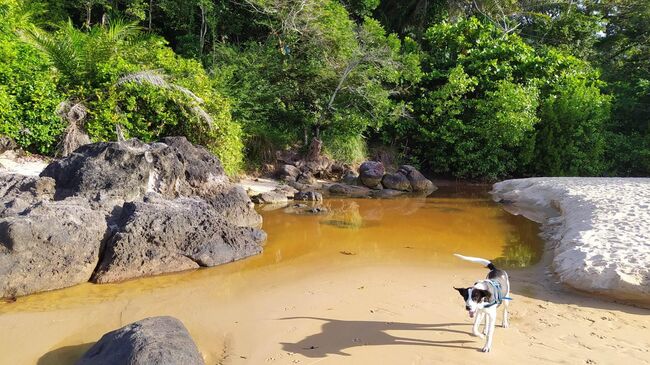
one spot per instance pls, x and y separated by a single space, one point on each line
478 260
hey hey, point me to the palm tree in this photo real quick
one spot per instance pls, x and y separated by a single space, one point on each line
76 55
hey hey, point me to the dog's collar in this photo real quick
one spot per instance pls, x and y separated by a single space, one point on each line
497 298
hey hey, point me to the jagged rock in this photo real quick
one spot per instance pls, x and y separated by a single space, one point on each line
308 196
155 340
53 227
271 197
351 191
51 245
132 168
160 236
396 181
419 183
371 173
288 172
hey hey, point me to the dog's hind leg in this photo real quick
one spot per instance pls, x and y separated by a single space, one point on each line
506 321
477 324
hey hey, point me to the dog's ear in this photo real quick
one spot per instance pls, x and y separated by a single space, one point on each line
462 291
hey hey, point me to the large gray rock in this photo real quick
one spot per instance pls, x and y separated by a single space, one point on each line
396 181
271 197
288 172
51 245
371 173
419 183
18 192
130 169
351 191
161 236
155 340
182 212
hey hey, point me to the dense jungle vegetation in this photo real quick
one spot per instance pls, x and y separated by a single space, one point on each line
480 89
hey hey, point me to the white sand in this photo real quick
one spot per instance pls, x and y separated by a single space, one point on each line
22 165
598 229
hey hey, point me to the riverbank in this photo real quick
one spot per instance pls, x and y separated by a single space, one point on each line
347 314
597 228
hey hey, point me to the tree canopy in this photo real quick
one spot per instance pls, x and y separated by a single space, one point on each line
480 89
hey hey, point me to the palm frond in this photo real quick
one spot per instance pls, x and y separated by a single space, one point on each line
156 79
61 51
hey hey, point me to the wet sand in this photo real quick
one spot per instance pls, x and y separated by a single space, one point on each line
365 285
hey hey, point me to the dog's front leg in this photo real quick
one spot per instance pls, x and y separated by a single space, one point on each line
477 323
491 313
491 321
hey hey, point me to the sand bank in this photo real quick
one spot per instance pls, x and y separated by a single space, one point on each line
597 228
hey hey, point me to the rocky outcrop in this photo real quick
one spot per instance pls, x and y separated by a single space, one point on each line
143 208
155 340
405 179
173 167
50 246
160 236
371 173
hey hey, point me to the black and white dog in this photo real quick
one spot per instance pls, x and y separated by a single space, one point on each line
483 299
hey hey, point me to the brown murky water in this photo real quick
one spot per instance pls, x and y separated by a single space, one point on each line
57 326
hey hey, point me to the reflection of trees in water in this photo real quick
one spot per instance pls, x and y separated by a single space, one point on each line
345 216
518 253
523 247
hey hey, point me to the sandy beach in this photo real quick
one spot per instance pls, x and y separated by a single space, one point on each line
365 315
344 302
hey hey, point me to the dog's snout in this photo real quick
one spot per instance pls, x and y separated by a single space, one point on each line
467 307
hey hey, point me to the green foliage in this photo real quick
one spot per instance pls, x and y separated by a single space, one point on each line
28 94
570 141
471 88
487 95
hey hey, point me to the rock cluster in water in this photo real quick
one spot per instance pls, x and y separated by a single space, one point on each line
373 180
120 210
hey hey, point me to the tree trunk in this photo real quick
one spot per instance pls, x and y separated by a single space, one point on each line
314 151
203 30
150 12
89 8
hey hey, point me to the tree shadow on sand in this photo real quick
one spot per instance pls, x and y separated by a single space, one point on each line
338 335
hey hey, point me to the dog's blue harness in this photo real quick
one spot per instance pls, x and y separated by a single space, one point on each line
498 297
